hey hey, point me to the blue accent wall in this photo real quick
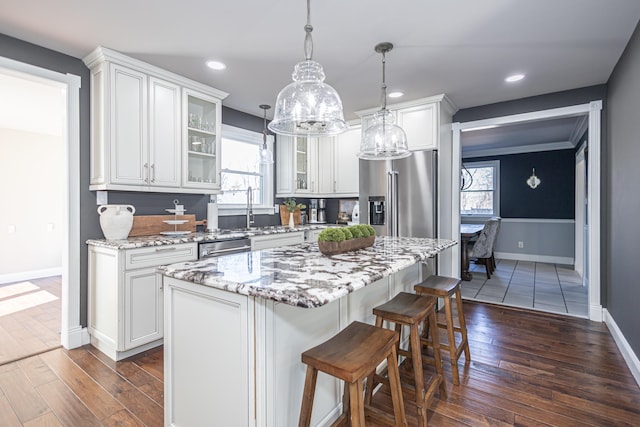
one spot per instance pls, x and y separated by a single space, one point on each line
554 197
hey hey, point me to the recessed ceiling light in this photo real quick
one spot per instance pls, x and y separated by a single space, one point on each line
514 78
216 65
396 94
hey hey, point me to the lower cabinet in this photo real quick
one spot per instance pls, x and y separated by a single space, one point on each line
277 240
125 296
311 236
233 359
142 307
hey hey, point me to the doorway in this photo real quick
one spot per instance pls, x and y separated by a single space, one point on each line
592 245
71 332
32 145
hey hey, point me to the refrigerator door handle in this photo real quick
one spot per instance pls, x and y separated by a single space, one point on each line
392 204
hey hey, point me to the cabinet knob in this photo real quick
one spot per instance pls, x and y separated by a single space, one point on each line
153 172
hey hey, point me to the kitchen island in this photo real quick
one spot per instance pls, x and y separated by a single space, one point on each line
235 326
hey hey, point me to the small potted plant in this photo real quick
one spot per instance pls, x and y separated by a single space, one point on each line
338 240
292 206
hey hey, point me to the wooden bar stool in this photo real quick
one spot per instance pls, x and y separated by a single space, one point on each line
447 287
351 355
412 310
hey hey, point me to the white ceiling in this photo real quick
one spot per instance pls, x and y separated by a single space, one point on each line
463 48
550 134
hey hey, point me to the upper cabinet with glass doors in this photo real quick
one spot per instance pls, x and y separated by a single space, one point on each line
151 130
319 167
201 167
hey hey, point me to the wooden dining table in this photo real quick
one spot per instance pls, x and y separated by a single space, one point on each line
467 232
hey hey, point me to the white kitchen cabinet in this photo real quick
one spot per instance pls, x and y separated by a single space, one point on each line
126 159
137 119
201 168
142 307
311 236
318 167
420 123
258 342
302 165
164 133
125 296
277 240
209 357
346 163
421 120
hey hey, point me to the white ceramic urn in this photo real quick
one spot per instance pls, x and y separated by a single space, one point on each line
116 220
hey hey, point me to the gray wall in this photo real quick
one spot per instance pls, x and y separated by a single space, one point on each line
534 103
146 203
622 202
45 58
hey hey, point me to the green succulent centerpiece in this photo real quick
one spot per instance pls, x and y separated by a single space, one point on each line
337 240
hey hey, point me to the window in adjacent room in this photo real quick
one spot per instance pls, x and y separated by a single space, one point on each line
481 198
240 170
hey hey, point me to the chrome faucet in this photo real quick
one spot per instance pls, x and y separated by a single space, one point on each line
249 207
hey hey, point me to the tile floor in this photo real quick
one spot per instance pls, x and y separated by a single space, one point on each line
540 286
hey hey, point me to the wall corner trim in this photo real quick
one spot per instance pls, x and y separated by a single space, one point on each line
623 345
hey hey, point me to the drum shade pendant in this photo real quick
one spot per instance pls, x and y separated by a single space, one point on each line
308 106
383 139
265 155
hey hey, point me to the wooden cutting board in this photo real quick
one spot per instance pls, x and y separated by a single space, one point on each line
284 216
147 225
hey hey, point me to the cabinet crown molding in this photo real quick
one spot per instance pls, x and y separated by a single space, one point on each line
102 54
443 99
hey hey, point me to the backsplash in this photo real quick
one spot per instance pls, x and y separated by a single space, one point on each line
196 204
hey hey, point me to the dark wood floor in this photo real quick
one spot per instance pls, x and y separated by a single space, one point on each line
31 330
527 369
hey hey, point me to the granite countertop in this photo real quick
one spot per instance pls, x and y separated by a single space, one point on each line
300 275
159 239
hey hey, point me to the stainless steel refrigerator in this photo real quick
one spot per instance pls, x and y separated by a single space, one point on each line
398 197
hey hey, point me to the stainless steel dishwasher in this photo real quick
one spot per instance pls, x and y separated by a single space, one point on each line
223 247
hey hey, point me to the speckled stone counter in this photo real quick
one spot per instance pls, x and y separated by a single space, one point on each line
300 275
159 240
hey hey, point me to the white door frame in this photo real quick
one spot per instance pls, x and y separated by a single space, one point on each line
594 168
72 334
580 211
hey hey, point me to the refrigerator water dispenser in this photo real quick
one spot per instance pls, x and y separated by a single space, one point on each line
376 210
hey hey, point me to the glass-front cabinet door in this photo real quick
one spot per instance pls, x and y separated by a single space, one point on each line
202 118
304 170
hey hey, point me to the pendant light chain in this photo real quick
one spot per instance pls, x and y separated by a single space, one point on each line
308 41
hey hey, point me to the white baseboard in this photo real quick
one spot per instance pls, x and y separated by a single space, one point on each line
535 258
627 352
76 337
28 275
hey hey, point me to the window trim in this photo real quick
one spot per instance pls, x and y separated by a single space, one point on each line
252 137
495 164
